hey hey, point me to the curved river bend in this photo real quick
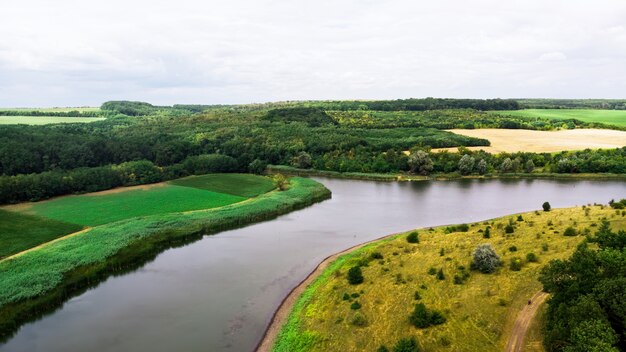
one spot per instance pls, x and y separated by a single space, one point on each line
219 293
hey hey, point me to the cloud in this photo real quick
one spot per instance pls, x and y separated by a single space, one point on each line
71 52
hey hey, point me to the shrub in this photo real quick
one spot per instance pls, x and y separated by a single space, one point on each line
531 257
413 237
346 297
487 233
355 305
442 252
462 228
520 218
355 276
570 231
257 166
382 348
545 247
359 320
516 264
376 255
421 317
441 275
485 259
406 345
546 206
509 228
513 249
417 296
432 271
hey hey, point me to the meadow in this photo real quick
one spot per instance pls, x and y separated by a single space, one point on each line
19 232
39 280
241 185
609 117
479 309
55 109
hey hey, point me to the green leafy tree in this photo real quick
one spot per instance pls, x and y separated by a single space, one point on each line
466 164
355 275
420 162
485 259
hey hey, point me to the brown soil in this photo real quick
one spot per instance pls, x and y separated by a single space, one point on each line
522 323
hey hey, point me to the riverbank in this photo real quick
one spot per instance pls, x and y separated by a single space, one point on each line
37 282
292 171
480 309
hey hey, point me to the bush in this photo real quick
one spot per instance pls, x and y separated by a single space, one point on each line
509 229
355 305
487 233
570 231
382 348
432 271
346 297
355 276
257 166
485 259
516 264
376 255
359 320
406 345
513 249
421 317
413 237
441 275
546 206
531 257
520 218
417 296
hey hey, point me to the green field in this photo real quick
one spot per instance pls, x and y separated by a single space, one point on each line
94 210
19 232
479 309
65 109
242 185
45 120
609 117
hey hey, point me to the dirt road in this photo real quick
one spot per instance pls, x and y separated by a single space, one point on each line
524 318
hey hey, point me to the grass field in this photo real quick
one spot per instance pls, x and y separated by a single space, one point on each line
44 278
19 232
480 312
241 185
103 207
45 120
511 141
609 117
65 109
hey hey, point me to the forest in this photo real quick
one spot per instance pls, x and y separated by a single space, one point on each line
142 143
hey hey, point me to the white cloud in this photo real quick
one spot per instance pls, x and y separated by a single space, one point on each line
70 52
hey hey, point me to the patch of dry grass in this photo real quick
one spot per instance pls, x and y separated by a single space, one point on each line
480 312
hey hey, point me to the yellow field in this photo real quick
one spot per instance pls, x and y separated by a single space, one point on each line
480 312
510 141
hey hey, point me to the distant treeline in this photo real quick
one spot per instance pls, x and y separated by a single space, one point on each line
606 104
33 187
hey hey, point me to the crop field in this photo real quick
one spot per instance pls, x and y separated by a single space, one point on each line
45 120
511 141
333 315
609 117
104 207
241 185
19 232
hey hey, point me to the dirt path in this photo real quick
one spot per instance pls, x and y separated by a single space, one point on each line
46 243
522 323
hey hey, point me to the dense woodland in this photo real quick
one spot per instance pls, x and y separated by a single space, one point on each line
587 311
142 143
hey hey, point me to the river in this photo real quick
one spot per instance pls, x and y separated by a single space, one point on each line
219 293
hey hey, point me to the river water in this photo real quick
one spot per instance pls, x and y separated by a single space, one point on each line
219 293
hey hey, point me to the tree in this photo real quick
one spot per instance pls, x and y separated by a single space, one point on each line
466 164
302 160
487 233
530 166
257 166
355 276
546 206
485 259
421 317
420 162
481 167
506 166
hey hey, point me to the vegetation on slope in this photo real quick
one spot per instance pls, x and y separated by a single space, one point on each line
241 185
468 310
19 232
41 279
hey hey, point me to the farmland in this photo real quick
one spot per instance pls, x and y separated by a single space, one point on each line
514 141
609 117
479 309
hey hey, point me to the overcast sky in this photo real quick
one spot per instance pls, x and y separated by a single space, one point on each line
77 53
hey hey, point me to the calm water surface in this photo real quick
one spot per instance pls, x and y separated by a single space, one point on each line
219 293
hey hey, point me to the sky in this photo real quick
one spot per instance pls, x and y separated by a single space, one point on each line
82 53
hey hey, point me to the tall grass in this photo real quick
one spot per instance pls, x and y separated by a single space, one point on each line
40 280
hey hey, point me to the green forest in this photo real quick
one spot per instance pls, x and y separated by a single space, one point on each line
141 143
